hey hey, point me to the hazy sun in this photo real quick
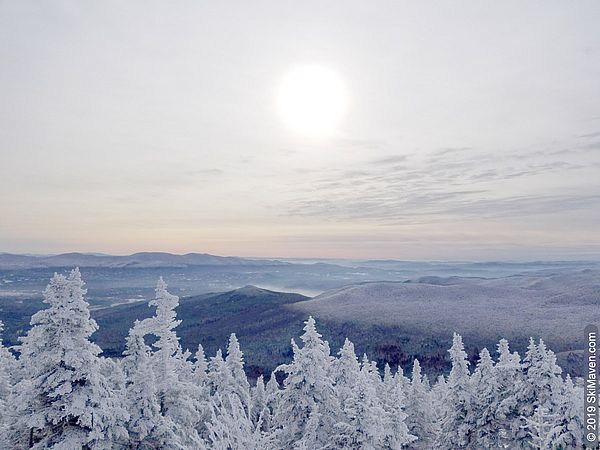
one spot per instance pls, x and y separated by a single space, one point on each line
312 100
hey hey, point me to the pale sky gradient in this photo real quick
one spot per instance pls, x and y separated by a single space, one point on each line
472 129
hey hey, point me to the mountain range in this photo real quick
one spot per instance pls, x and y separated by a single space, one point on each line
389 313
137 260
393 322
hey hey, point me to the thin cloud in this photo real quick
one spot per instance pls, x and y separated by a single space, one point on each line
457 185
205 172
590 135
390 160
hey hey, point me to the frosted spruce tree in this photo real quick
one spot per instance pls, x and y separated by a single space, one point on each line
230 389
178 396
544 375
401 379
541 429
219 377
8 377
392 396
308 396
63 400
570 423
420 420
457 422
345 371
148 428
485 401
362 426
553 396
439 393
200 368
528 394
232 428
273 394
369 368
258 397
388 380
540 384
201 385
509 378
311 437
234 363
8 369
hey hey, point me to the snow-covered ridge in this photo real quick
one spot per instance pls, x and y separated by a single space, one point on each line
554 306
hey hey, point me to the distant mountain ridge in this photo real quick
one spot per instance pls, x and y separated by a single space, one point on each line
10 261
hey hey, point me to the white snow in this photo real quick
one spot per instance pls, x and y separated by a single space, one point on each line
61 394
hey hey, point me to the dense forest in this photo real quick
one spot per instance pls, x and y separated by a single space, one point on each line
57 391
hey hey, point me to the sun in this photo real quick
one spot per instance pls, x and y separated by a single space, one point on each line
312 100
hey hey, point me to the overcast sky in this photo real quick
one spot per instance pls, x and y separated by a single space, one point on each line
472 129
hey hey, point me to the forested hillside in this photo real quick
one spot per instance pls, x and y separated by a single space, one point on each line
60 393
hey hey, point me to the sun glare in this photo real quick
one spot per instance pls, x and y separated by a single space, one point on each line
312 100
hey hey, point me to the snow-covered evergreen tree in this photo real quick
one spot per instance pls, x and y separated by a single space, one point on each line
308 392
178 395
345 371
200 368
392 396
148 428
554 396
527 395
362 426
165 361
258 398
202 390
370 370
387 381
545 376
542 429
485 401
232 428
402 379
219 377
234 362
63 400
419 407
570 416
8 377
273 388
273 394
509 378
457 422
439 393
539 389
8 369
311 437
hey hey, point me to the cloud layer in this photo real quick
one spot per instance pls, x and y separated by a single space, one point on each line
472 130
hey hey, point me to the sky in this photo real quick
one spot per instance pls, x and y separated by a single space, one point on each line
470 130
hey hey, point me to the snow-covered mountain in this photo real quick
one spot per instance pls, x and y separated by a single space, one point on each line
556 307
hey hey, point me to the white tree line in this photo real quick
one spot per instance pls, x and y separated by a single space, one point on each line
59 393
